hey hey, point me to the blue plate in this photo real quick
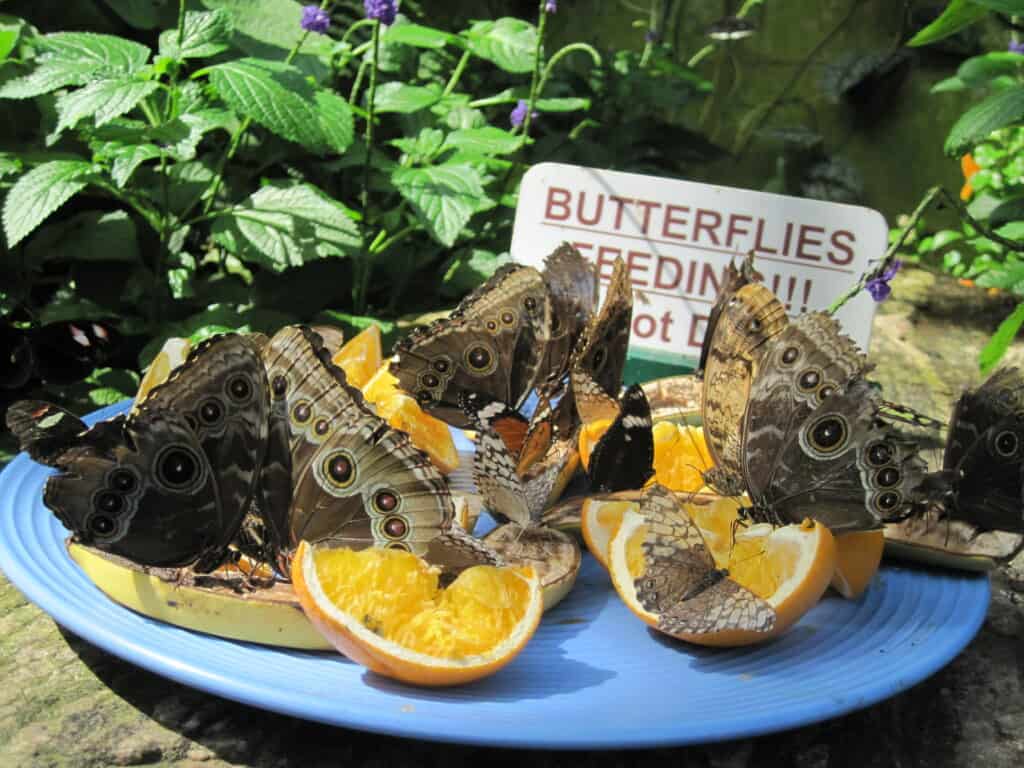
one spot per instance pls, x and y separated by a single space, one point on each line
594 676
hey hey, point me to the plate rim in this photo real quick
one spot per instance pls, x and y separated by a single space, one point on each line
425 726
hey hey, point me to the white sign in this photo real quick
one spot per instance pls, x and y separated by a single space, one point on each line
677 237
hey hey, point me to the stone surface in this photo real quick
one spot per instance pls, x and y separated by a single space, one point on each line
64 702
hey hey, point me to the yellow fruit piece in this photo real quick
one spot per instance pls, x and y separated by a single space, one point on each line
269 616
790 568
681 456
361 356
858 556
384 609
381 385
427 433
590 433
171 355
600 518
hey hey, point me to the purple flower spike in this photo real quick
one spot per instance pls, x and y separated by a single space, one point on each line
315 19
879 287
518 115
383 11
1016 47
551 7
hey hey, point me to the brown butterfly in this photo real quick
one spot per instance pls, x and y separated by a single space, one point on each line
355 481
807 438
494 343
169 485
681 582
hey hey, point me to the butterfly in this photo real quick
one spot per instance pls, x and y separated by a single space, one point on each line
573 285
624 455
169 485
808 438
681 582
355 481
514 489
493 342
983 464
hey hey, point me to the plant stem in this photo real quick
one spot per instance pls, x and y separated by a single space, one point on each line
454 79
365 262
181 22
537 59
561 54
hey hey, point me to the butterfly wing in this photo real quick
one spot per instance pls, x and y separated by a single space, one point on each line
724 605
357 482
151 497
623 457
572 282
43 430
839 464
985 453
494 343
222 391
494 466
747 320
601 351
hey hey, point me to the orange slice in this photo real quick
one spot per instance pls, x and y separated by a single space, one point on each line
788 567
681 454
402 412
601 517
384 609
361 356
171 355
858 556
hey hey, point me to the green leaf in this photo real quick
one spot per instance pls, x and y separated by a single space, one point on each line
569 104
399 97
127 157
103 101
417 36
958 14
1012 231
509 43
949 85
993 352
9 34
428 142
67 305
1008 211
469 269
204 34
76 58
484 141
444 197
335 120
39 193
9 165
280 227
86 236
280 98
979 70
997 111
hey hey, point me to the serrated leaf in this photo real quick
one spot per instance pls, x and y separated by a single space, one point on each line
507 42
399 97
444 197
484 141
280 98
102 100
128 157
281 227
422 148
996 347
997 111
417 36
957 15
335 119
76 58
106 54
204 33
39 193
